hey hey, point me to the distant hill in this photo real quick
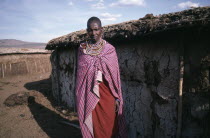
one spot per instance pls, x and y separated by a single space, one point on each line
6 43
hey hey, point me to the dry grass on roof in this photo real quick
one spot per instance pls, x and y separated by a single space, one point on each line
138 28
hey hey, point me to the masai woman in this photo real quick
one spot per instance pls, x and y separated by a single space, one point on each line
98 87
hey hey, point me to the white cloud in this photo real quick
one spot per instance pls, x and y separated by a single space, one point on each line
128 3
110 17
70 3
188 4
98 5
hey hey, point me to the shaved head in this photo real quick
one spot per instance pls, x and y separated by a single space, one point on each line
94 19
94 29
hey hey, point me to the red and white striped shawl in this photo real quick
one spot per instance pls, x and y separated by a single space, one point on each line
87 69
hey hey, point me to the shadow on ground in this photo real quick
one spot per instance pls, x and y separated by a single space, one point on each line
54 125
43 86
51 122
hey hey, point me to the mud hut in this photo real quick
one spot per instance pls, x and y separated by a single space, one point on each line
150 50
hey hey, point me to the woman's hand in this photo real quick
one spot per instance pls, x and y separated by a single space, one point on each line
117 105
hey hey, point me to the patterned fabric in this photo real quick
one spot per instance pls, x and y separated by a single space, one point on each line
87 71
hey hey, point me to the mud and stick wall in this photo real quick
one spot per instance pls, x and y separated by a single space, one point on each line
63 76
150 84
23 64
196 91
149 75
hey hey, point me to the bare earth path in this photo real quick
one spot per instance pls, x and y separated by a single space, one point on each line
39 118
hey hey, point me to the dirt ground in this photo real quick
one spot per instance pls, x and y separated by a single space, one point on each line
38 116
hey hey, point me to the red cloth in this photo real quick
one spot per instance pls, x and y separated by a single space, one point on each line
104 115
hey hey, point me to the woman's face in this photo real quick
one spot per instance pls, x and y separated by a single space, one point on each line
95 32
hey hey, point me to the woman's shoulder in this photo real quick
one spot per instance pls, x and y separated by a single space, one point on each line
109 46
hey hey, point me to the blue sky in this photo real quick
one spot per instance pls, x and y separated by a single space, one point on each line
43 20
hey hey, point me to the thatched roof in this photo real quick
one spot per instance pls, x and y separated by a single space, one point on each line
138 28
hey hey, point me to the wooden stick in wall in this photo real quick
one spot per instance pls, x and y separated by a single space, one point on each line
179 125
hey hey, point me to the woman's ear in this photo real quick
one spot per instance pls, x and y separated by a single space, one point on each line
102 32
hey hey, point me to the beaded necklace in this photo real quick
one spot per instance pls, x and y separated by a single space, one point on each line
94 49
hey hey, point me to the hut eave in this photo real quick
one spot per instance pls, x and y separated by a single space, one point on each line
139 28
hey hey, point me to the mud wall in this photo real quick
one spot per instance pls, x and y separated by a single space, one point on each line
149 75
22 64
196 92
63 76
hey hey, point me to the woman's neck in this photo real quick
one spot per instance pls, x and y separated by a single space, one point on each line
96 42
